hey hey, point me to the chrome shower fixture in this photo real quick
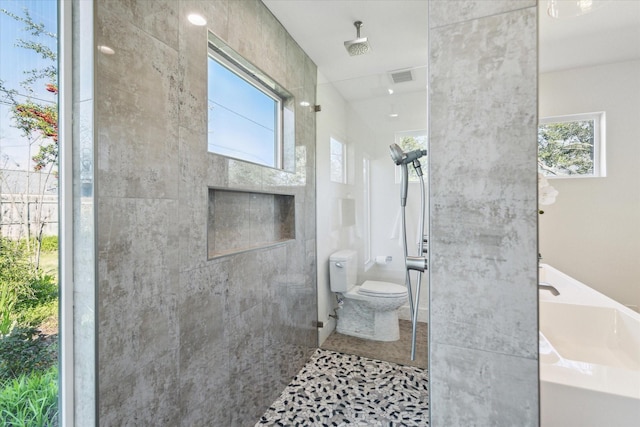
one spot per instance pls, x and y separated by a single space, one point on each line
396 154
358 46
416 263
402 158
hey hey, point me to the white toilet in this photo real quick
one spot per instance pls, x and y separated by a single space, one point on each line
370 310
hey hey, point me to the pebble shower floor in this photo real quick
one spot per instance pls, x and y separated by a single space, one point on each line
335 389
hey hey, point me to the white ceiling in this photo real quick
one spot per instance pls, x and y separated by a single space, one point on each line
610 33
397 32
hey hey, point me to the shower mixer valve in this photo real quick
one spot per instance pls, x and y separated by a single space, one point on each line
418 263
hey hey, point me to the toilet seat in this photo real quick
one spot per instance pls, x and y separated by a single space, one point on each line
374 288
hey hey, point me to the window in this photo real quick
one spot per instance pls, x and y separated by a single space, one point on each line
366 201
572 146
249 115
338 161
410 141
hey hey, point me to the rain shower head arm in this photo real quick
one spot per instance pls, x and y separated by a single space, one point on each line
358 24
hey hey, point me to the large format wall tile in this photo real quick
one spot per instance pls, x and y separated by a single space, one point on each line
185 340
493 389
489 203
483 182
442 13
137 116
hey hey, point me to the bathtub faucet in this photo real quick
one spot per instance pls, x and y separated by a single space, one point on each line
549 287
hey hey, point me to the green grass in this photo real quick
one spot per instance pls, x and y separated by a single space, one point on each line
30 400
28 352
49 244
49 263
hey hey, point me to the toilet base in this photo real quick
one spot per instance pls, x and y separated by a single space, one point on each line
358 319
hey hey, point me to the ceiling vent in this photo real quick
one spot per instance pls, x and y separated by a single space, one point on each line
401 76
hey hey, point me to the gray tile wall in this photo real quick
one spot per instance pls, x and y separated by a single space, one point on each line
483 184
183 340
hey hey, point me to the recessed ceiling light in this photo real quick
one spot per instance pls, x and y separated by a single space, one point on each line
390 91
393 115
197 19
105 49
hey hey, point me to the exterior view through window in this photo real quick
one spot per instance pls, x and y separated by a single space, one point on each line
28 213
251 117
244 119
572 146
338 161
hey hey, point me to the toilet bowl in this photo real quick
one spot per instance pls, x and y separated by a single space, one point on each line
369 310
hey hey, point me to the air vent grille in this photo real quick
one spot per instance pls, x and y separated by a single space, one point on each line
401 76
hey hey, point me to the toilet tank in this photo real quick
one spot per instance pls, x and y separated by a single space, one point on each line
343 270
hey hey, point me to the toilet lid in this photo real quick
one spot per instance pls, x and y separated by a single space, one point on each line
382 289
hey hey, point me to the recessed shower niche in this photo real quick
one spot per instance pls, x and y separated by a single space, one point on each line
242 220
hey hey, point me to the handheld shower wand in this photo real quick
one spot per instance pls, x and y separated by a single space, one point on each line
418 263
401 159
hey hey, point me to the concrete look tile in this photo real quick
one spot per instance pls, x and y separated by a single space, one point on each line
441 13
183 338
273 36
159 19
245 283
483 246
483 298
244 29
476 388
216 12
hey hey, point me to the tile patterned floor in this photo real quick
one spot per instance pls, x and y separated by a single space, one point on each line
336 389
392 351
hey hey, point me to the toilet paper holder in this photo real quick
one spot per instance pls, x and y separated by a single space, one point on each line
383 259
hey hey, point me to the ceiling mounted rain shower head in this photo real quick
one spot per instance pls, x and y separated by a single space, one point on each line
358 46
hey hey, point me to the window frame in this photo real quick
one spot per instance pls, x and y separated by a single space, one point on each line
599 141
366 202
343 160
284 125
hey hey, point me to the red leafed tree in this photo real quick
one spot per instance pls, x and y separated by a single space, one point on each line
38 121
41 119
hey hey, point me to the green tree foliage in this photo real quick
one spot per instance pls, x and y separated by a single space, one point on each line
566 148
22 286
16 272
413 143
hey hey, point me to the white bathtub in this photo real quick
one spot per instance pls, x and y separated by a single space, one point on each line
589 357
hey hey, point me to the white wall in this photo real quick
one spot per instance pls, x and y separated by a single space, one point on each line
331 121
592 232
365 128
